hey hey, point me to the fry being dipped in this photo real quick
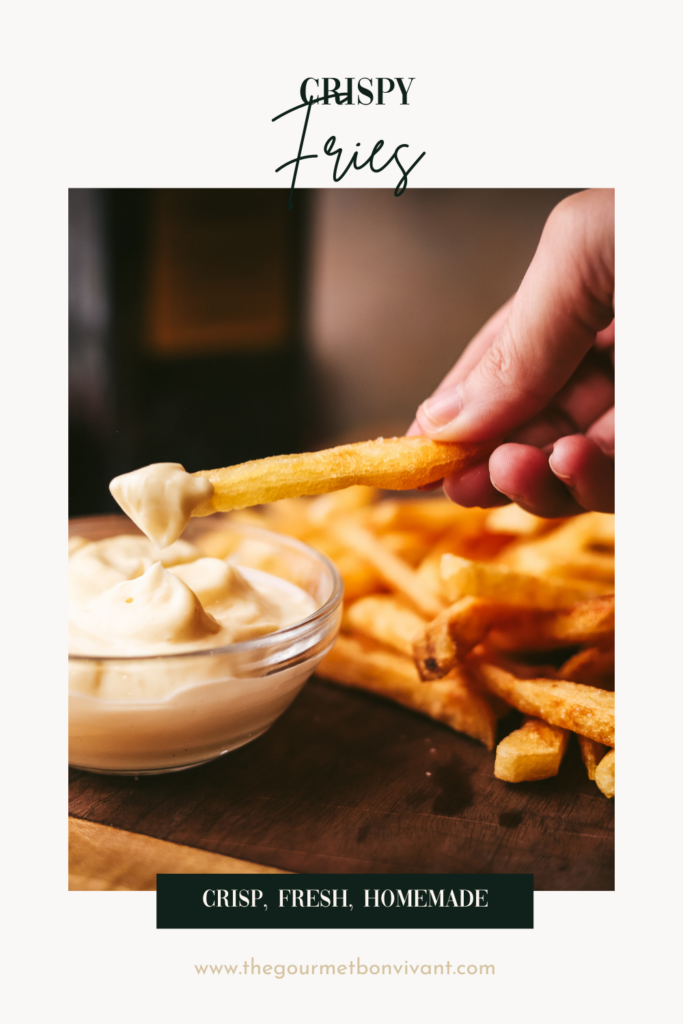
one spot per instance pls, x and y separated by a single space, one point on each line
161 498
393 463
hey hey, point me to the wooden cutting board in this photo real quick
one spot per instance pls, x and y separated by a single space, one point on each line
345 781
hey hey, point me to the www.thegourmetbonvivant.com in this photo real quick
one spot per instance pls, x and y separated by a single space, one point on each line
353 968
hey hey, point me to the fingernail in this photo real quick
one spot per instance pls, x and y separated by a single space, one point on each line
443 407
516 498
566 478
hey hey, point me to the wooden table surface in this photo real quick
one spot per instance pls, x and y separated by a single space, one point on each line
344 781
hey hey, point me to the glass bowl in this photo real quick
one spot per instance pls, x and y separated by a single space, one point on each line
163 713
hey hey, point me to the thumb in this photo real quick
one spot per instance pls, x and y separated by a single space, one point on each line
566 297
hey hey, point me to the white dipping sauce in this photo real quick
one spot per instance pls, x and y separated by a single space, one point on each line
160 499
153 683
127 598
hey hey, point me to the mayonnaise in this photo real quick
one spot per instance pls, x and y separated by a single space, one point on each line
128 598
154 681
160 499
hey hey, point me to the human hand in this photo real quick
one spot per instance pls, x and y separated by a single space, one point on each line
540 376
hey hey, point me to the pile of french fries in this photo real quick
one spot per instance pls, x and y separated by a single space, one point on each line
464 614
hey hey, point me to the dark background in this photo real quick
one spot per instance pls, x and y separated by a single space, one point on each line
212 326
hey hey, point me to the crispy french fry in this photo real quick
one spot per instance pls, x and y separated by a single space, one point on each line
583 547
429 569
585 565
462 577
430 515
470 540
395 572
409 545
514 520
360 578
325 507
591 754
395 463
587 622
593 666
448 638
604 774
429 575
533 752
460 540
385 618
454 701
481 547
582 709
289 516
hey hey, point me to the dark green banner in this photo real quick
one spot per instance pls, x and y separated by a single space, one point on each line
345 901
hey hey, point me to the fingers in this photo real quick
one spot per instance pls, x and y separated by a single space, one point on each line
589 392
565 299
602 432
605 339
524 475
586 472
473 488
577 477
584 399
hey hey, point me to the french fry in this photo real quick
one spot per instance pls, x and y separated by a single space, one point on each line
448 638
583 547
396 573
385 618
326 507
585 565
593 666
533 752
429 569
591 754
462 577
604 774
360 578
432 516
395 463
582 709
459 540
409 545
587 622
515 521
429 575
454 701
287 516
219 543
